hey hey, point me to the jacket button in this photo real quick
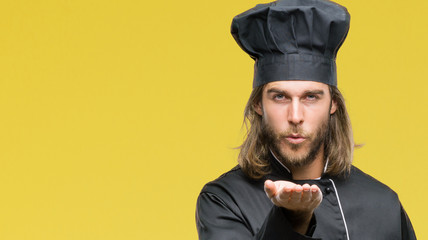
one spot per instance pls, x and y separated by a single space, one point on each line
328 190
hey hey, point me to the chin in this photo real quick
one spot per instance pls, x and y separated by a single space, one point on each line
295 157
294 149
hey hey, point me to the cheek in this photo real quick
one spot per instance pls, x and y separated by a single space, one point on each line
316 118
275 117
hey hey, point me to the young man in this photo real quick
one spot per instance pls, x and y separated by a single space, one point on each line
295 179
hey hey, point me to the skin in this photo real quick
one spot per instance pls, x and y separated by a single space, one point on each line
294 105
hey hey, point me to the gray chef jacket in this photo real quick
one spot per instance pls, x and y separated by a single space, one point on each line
357 207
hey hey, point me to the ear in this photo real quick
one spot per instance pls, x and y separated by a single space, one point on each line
258 108
333 107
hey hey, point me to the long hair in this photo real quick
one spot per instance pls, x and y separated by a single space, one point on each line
338 146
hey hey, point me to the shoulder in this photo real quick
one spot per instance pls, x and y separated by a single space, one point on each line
234 195
369 203
361 182
366 180
232 182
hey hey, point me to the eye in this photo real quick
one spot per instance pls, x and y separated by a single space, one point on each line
279 97
311 97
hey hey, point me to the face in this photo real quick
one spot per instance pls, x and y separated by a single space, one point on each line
295 119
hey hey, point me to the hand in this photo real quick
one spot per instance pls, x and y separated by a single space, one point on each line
293 197
301 201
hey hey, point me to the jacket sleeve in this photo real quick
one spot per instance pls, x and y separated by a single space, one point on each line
407 231
216 219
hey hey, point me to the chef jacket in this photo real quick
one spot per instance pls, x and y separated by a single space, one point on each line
356 207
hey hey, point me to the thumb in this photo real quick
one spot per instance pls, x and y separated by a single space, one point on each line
270 188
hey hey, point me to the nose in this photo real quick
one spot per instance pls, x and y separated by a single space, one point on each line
295 113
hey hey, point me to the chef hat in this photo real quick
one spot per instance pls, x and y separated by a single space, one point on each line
293 39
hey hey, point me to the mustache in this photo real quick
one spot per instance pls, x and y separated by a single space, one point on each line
293 130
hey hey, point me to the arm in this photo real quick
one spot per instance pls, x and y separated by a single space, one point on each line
221 218
407 231
217 220
277 226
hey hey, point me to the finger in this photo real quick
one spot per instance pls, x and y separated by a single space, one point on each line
270 188
306 187
285 192
296 193
316 193
315 188
307 193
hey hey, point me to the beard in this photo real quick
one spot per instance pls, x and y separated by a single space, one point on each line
292 158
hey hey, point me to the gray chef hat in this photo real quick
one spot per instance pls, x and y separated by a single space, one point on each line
293 39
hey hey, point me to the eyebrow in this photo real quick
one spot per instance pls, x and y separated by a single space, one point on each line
307 92
315 92
275 90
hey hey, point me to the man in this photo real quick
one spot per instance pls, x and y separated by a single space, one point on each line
295 179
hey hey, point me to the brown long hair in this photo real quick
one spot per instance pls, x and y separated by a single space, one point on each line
338 147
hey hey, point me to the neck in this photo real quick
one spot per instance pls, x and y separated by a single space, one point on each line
313 170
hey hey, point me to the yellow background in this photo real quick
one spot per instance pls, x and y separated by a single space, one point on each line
114 114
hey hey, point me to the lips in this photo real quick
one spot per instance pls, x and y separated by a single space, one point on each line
295 138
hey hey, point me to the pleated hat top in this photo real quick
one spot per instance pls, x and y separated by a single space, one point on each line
293 39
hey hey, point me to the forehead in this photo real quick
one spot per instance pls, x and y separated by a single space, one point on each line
296 86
